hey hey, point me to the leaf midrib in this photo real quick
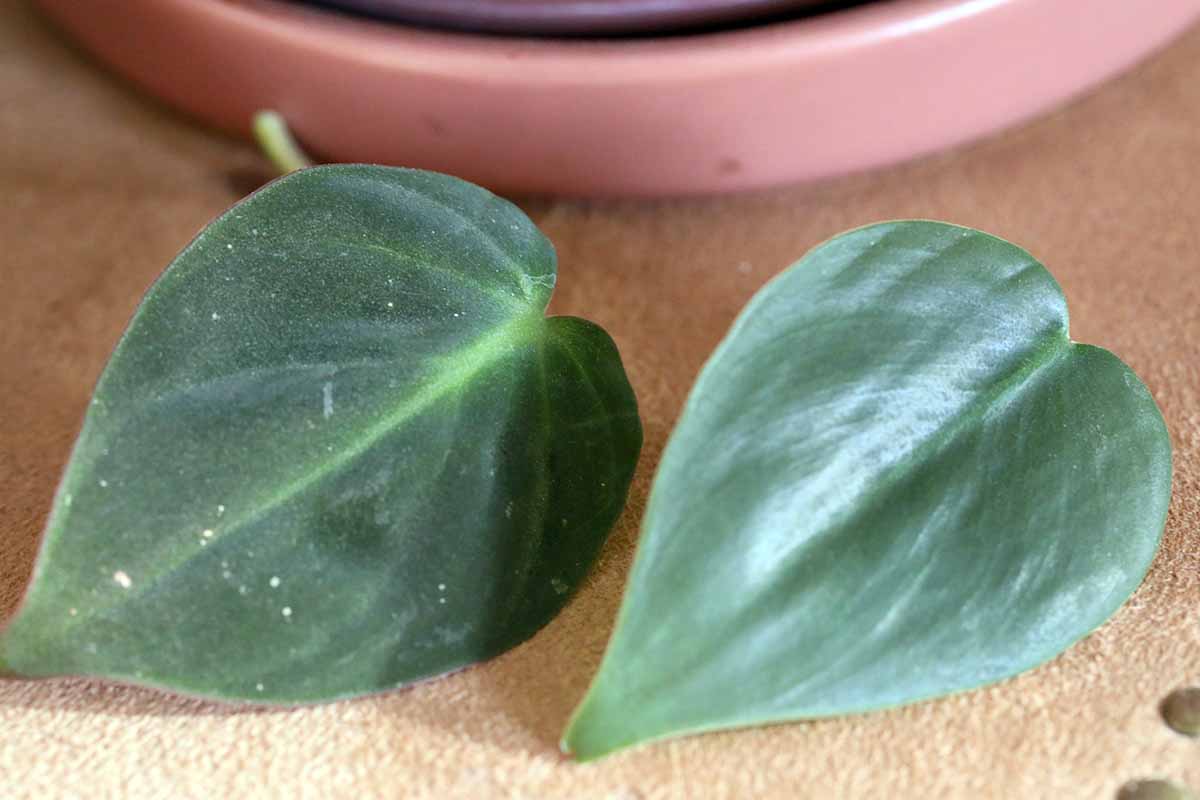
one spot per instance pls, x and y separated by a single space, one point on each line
464 280
486 351
1054 349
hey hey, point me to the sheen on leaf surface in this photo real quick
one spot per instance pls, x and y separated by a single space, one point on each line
896 478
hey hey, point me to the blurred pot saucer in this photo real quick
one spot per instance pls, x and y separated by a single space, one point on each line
573 17
731 110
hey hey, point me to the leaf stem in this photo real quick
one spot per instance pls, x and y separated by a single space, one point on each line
276 140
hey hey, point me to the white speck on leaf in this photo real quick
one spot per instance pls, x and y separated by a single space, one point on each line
220 510
242 590
228 247
258 686
215 316
391 304
67 500
208 533
274 581
72 611
327 399
103 483
287 611
442 600
441 587
122 579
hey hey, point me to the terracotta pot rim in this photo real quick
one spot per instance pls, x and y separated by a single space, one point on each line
597 60
788 101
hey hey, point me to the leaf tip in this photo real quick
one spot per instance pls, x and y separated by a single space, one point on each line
598 728
578 745
6 671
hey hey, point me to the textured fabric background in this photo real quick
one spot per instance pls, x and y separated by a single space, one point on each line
99 188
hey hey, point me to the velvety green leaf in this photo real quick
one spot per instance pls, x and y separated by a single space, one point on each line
339 449
896 478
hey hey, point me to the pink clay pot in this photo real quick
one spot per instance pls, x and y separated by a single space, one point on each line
787 101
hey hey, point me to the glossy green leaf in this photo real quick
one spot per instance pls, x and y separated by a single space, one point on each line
896 478
340 448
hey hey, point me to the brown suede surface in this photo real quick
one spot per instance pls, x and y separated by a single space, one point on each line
100 187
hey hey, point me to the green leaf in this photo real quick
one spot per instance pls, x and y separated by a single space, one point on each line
896 478
339 449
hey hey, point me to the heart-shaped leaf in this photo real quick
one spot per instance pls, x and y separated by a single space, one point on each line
339 449
896 478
